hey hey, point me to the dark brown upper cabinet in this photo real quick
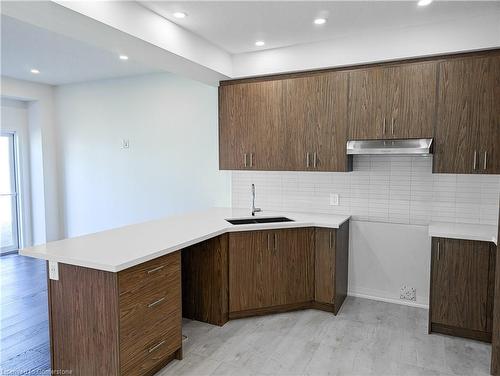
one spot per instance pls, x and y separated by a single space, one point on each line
468 117
251 130
301 121
315 115
393 102
411 100
367 104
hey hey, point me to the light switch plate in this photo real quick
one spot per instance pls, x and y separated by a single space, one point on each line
53 270
334 199
125 144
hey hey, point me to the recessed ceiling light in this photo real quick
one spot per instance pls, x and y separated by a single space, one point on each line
180 15
321 21
123 57
423 3
259 43
35 71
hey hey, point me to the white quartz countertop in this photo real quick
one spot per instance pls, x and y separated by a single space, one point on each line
464 231
120 248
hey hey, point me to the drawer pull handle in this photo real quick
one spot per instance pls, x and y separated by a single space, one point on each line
155 303
156 269
156 346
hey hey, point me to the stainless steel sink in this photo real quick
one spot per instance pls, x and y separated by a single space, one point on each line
249 221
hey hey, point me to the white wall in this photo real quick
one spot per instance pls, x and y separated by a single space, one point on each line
171 165
477 32
15 119
383 257
43 158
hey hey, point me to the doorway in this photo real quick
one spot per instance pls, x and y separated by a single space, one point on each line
9 203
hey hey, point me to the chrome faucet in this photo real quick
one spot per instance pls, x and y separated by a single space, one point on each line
254 209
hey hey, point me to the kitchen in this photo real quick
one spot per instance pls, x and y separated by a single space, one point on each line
309 216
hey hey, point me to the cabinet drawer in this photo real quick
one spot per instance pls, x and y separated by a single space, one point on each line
148 307
152 352
150 313
151 273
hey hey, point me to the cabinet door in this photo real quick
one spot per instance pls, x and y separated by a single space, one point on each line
250 126
293 266
367 104
460 111
234 133
315 113
488 104
324 265
251 276
460 282
411 100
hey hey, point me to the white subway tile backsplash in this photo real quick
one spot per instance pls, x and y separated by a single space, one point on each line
396 189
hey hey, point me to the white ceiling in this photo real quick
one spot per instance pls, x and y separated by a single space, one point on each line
236 25
60 59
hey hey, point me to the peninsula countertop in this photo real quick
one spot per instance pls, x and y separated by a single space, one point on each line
121 248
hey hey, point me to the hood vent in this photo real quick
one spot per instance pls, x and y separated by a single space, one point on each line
421 146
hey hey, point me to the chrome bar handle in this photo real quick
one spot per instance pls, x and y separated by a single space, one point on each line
275 242
475 159
245 159
439 252
392 126
330 239
485 159
307 160
384 125
156 346
314 159
268 241
156 269
251 159
155 303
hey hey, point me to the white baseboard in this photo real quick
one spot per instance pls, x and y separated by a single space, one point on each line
388 300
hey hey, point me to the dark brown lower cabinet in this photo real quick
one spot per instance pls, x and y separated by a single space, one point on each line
271 268
204 281
126 323
330 266
462 288
282 270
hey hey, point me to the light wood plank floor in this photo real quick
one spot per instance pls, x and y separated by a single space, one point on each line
366 338
24 328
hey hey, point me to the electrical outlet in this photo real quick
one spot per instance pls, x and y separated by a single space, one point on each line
53 270
334 199
408 293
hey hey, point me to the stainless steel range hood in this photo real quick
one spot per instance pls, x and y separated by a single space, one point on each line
420 146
